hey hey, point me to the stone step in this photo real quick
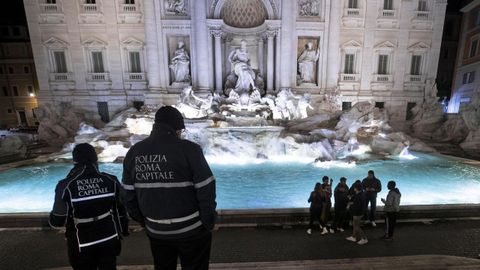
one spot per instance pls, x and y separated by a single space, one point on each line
420 262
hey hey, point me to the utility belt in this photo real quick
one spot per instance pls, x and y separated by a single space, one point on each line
92 219
174 220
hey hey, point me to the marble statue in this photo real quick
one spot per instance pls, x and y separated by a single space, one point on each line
308 8
176 6
240 60
302 106
192 106
306 63
180 64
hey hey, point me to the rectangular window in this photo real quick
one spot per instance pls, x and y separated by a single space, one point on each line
349 64
51 1
9 111
422 5
383 64
135 66
90 1
97 61
5 91
473 48
416 65
34 114
103 111
15 91
26 69
11 70
410 114
380 105
388 4
130 2
468 77
352 3
60 63
30 89
346 106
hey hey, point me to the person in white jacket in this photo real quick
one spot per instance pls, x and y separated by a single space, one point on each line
391 209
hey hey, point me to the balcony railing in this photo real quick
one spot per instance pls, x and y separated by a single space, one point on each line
352 12
415 78
49 8
349 77
129 8
135 76
381 78
422 15
388 13
61 77
90 8
98 77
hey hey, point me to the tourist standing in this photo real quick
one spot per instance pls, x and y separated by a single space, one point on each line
372 187
316 200
341 201
327 206
357 207
170 189
87 203
391 209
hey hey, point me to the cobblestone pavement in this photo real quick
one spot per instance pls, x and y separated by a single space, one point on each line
46 249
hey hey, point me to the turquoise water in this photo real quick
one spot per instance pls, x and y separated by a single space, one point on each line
425 180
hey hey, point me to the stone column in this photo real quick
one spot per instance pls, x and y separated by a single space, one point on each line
153 60
270 60
260 55
201 39
217 34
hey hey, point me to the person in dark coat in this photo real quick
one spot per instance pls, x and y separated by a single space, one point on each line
169 188
327 188
372 187
87 203
341 201
357 207
391 209
316 200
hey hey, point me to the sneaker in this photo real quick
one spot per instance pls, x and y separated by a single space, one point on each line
320 225
325 231
362 241
341 230
309 231
331 231
351 238
374 224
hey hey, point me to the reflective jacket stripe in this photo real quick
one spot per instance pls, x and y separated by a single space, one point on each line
163 185
174 220
205 182
184 230
98 241
93 197
86 220
128 187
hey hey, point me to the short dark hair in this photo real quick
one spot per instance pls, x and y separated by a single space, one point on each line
371 172
84 153
343 179
325 178
391 184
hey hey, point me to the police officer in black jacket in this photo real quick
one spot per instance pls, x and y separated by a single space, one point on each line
169 188
87 203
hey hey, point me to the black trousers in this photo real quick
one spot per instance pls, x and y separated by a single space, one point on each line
102 256
390 222
371 197
194 252
316 215
340 217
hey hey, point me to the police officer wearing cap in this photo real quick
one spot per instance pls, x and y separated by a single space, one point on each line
169 188
87 203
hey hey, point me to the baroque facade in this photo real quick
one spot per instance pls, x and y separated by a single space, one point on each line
105 55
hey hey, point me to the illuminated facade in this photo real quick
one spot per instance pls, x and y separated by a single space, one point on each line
18 82
106 55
